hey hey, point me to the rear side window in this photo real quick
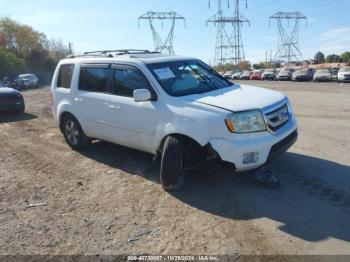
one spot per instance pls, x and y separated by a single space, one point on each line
127 79
94 80
65 76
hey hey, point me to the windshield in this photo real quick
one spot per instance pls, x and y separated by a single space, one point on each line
24 76
345 69
302 72
189 77
323 71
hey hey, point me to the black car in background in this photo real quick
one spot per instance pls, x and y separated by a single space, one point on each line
269 74
303 75
11 100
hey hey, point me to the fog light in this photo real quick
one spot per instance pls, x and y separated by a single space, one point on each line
250 158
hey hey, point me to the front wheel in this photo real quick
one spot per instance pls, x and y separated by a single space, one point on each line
172 165
73 133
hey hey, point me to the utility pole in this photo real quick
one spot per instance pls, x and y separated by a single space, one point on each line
167 45
229 48
288 44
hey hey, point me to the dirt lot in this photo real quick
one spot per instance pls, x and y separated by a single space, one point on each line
98 200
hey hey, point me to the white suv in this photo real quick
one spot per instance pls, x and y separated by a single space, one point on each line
174 107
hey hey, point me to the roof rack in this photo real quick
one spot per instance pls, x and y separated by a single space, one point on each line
113 53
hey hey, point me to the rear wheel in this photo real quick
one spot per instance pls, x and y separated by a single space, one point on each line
73 133
172 165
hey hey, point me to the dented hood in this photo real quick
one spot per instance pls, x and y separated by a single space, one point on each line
238 98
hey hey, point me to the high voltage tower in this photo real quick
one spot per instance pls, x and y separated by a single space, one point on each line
229 46
288 45
167 45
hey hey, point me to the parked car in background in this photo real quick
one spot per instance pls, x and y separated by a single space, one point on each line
285 75
334 72
256 75
344 74
11 100
323 75
158 103
25 81
245 75
228 74
269 74
236 75
303 75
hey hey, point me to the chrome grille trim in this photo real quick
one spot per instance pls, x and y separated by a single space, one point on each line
280 111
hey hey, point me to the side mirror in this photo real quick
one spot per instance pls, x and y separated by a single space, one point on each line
143 95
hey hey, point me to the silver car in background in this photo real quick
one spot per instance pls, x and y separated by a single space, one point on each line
323 75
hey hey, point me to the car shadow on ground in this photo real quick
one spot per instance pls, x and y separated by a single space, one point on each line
12 117
313 202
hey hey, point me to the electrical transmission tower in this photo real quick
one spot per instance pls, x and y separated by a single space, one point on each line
229 47
288 45
166 46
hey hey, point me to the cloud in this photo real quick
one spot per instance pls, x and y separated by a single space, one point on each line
335 33
333 41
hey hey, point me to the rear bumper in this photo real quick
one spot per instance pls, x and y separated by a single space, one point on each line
267 145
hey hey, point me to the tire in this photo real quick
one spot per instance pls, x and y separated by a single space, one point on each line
172 165
73 133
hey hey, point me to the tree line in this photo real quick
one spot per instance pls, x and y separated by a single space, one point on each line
320 58
23 49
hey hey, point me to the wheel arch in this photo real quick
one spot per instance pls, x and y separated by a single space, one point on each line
186 137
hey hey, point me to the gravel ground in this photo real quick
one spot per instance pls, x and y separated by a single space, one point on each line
108 200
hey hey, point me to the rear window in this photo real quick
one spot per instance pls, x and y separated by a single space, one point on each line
94 80
65 76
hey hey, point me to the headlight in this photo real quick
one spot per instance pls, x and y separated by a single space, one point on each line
246 122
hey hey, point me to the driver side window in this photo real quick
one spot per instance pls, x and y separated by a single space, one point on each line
127 79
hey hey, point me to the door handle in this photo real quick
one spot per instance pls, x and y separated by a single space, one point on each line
114 107
79 100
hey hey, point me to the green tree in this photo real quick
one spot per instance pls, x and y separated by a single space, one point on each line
244 65
320 58
345 57
34 47
10 65
333 58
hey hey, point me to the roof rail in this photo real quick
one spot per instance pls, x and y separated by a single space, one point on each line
112 53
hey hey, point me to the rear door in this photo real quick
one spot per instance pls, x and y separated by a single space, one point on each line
92 99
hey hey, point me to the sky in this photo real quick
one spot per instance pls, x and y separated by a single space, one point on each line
113 24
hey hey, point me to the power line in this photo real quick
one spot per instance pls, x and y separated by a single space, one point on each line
229 48
167 45
288 45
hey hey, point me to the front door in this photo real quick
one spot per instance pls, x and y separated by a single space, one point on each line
134 123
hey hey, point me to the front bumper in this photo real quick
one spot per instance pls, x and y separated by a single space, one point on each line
345 78
267 145
268 77
324 79
302 78
14 105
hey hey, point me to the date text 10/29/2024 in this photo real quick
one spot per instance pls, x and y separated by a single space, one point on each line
173 258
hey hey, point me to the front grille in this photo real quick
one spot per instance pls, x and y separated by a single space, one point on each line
277 118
